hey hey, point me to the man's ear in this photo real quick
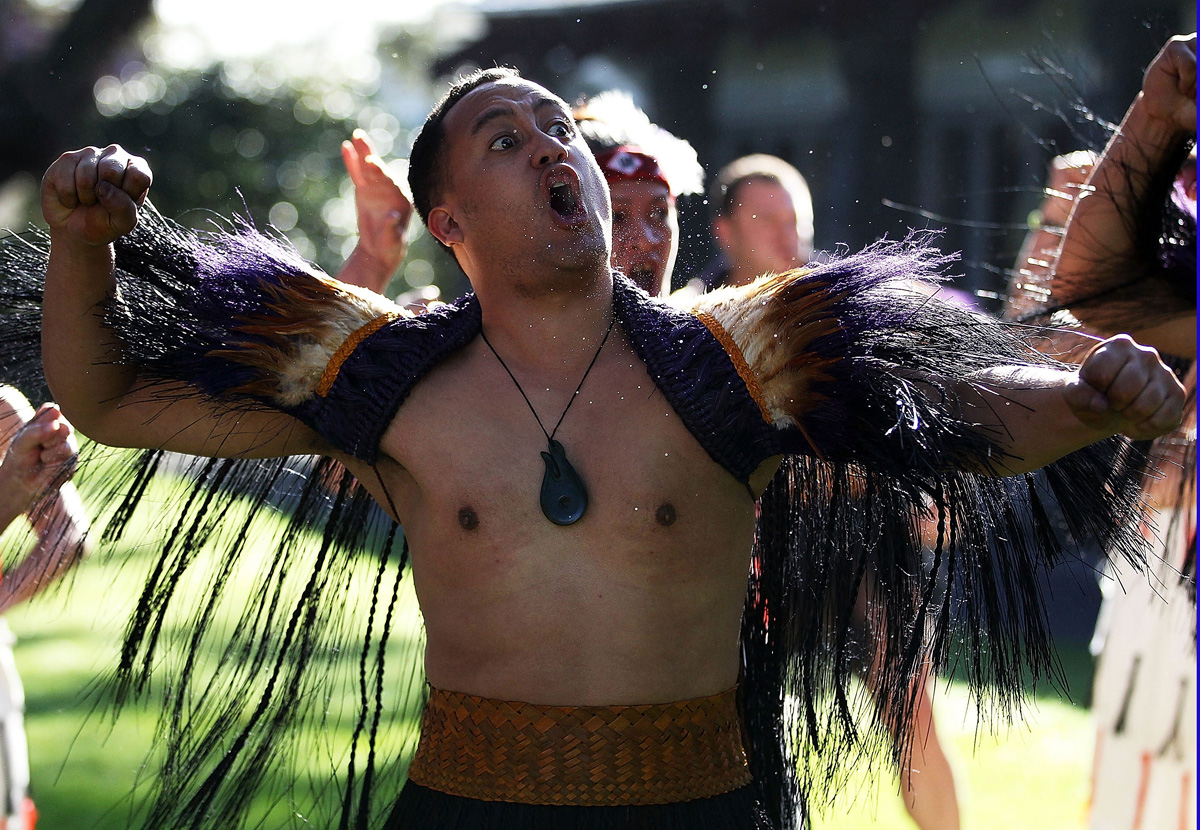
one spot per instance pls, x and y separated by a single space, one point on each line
443 227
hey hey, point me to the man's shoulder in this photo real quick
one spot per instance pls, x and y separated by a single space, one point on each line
699 376
376 375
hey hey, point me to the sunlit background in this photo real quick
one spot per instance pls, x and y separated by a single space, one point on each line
922 113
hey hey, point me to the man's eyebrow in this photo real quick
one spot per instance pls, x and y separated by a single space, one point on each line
502 110
551 102
489 115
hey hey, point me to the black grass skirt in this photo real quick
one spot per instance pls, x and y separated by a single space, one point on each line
420 808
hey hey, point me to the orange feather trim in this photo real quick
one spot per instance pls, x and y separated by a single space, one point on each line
347 348
739 361
303 334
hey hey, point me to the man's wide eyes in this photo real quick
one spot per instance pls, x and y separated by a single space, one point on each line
557 129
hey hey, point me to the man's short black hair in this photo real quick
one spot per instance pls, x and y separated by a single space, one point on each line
425 174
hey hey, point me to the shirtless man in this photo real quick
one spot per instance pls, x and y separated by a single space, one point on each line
639 601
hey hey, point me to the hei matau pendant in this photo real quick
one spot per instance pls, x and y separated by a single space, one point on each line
564 498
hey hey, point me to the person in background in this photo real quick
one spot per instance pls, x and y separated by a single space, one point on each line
38 451
762 220
1127 265
647 170
1029 284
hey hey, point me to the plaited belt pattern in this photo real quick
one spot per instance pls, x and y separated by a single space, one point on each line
594 756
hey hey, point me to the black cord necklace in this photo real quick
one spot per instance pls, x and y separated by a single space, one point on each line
564 498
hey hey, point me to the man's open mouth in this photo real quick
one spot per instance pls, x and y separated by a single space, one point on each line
565 203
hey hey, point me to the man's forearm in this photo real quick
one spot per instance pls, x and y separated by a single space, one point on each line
366 270
1023 412
1155 128
78 351
1101 223
1036 415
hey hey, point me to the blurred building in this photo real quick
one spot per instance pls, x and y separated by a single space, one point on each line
906 113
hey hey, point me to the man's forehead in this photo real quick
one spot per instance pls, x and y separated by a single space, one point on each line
764 191
507 91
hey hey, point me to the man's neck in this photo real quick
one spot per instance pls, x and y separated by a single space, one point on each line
554 325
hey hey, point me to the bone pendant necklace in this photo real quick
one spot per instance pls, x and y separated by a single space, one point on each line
564 498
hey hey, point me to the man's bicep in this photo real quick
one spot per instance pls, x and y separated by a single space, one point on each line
193 424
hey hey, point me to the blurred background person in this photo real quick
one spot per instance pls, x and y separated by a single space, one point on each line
762 220
1029 285
1128 264
38 450
647 170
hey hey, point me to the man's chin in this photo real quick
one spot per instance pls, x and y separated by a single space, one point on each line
586 251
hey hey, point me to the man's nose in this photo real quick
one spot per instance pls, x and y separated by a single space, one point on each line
546 150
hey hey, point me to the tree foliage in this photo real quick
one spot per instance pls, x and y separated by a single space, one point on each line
275 160
48 65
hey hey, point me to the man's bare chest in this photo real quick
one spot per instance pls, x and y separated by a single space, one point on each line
664 520
467 437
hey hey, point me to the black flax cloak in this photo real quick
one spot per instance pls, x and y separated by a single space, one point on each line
818 366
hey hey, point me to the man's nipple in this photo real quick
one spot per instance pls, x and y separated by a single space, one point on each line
665 515
468 519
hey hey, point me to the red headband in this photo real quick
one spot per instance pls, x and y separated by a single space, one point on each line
626 163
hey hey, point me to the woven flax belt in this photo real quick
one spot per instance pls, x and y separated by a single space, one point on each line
592 756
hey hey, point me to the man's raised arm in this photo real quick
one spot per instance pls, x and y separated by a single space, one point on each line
1037 415
1106 240
1120 387
1102 231
384 210
91 197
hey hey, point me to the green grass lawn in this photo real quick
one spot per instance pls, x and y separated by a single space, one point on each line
1031 775
86 767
